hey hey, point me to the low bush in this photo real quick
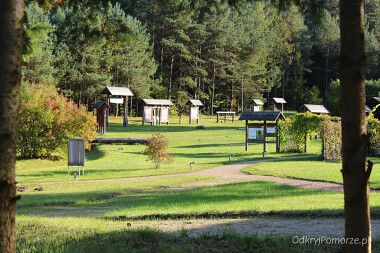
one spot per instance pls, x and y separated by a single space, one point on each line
156 150
47 120
332 140
373 128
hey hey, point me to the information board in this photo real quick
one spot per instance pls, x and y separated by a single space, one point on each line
147 114
75 152
165 114
194 112
255 133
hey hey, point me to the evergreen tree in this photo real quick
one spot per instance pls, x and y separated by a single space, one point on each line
39 42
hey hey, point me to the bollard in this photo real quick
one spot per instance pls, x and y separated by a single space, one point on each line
75 175
191 165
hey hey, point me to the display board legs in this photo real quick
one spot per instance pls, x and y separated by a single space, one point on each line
246 135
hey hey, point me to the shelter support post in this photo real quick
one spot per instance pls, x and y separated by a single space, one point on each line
246 135
125 120
265 136
108 110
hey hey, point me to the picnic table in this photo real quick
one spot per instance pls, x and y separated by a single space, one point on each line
225 113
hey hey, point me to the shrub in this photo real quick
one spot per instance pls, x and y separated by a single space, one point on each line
373 128
304 126
295 133
47 120
286 140
332 140
156 150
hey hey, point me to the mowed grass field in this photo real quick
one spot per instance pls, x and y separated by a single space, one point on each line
209 147
89 214
311 169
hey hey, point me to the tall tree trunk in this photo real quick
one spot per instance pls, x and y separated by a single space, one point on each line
231 97
213 90
11 22
171 72
326 73
356 170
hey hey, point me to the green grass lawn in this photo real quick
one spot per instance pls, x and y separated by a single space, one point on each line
209 147
134 199
311 169
78 215
105 236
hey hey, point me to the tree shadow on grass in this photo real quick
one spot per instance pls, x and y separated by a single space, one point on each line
148 129
147 239
161 202
238 144
95 153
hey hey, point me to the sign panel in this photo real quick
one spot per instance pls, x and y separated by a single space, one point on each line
271 130
165 114
194 112
116 100
147 114
256 108
255 133
76 152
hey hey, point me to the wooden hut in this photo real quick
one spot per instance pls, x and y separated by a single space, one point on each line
278 104
122 92
372 103
367 110
101 108
194 110
257 103
156 111
316 109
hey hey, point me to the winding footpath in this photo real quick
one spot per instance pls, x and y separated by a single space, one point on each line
232 173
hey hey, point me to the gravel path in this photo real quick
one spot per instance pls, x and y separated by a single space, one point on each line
231 173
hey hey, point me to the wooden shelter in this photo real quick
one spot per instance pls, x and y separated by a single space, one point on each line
316 109
367 110
123 92
156 111
278 104
372 103
257 103
194 110
101 108
259 132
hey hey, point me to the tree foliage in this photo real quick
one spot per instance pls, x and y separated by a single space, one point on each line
156 150
47 120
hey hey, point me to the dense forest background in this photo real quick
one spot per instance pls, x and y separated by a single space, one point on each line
175 50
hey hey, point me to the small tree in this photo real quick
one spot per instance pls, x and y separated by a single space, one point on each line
156 150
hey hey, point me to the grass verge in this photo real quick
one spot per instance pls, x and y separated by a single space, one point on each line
311 169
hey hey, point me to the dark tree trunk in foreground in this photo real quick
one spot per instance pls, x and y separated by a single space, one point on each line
11 21
356 169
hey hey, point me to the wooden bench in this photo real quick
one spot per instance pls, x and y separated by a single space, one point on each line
225 113
121 140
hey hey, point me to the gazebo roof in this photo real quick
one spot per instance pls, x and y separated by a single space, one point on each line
117 91
157 102
258 101
279 100
315 108
261 116
100 104
195 102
